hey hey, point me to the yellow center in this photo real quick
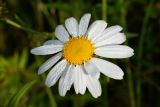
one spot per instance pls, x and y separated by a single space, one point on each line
78 50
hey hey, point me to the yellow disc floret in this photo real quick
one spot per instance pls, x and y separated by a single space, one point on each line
78 50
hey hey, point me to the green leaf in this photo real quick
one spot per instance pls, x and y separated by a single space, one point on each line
4 62
131 35
58 5
16 98
23 59
14 60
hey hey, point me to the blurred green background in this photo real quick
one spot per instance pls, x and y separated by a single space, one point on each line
25 24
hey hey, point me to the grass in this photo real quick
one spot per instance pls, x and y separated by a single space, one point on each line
27 24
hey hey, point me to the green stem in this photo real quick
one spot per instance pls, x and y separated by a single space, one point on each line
104 9
12 23
130 87
48 16
129 73
50 95
123 14
39 15
8 21
104 17
140 53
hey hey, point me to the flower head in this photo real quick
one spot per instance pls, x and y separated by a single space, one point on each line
76 55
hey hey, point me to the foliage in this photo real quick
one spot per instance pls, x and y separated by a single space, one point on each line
25 24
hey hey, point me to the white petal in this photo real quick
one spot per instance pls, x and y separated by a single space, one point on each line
76 79
53 42
61 33
91 69
66 81
79 80
83 24
114 51
46 49
72 26
49 63
108 32
55 73
118 38
96 29
109 69
94 86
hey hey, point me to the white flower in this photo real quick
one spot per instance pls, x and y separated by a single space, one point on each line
76 54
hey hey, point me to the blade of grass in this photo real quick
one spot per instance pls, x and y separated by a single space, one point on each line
23 58
16 98
104 10
140 53
130 86
10 22
123 8
14 24
50 95
48 16
106 80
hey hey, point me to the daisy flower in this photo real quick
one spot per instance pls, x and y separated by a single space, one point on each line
78 55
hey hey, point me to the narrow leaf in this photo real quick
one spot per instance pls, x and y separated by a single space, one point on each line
16 98
23 59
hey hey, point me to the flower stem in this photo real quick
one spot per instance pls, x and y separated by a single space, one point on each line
140 53
50 95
